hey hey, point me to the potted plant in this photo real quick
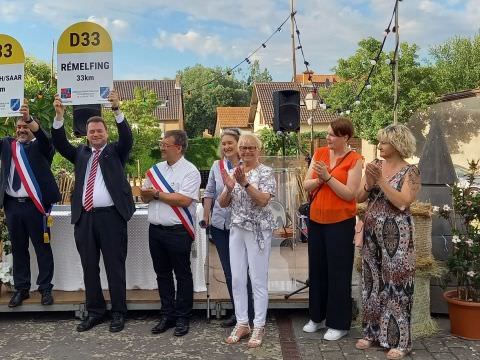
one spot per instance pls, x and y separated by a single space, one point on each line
464 261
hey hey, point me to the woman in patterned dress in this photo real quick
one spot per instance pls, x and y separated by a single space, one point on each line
388 252
248 193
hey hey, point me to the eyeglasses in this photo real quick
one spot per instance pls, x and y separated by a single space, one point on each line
247 148
166 146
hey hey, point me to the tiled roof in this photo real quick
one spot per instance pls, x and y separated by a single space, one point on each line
232 117
263 94
165 89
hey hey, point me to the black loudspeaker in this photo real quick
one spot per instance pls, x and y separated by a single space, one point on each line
81 113
286 110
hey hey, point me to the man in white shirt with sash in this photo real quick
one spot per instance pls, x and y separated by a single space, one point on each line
172 191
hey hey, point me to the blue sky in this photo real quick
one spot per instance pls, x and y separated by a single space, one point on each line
153 39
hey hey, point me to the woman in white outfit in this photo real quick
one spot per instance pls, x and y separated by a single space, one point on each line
248 193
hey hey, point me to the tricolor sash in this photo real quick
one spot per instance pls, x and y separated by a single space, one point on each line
30 183
228 166
160 183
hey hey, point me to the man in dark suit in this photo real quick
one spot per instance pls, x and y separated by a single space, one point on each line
102 204
25 213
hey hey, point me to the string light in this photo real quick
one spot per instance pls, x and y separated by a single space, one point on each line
247 59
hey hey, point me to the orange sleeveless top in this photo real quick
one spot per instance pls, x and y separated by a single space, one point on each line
327 207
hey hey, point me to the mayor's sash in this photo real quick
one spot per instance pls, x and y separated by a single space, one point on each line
30 183
160 183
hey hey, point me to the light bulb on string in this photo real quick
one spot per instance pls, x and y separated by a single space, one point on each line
368 86
373 62
348 112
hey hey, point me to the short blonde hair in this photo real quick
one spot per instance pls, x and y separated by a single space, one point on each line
400 137
246 137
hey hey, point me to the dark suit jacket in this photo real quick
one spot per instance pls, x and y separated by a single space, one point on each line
112 163
40 155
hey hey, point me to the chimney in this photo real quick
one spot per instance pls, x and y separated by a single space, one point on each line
178 85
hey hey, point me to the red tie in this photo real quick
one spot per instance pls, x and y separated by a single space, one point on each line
91 182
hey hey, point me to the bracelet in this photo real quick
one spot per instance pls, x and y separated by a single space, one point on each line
328 179
365 188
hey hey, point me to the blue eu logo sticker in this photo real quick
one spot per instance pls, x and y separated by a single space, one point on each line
104 92
15 104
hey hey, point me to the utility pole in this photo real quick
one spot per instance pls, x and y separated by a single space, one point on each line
294 62
397 51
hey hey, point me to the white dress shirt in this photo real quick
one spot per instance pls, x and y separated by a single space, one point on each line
184 178
101 196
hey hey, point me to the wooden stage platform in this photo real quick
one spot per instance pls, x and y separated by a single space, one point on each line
287 265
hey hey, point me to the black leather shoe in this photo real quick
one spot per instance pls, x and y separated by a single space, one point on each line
18 297
118 322
47 298
164 324
89 323
229 322
181 327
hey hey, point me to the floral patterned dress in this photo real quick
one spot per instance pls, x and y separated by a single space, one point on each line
388 268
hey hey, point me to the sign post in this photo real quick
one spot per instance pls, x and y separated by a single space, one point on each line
84 64
12 71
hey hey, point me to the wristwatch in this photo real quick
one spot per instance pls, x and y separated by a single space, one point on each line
30 119
246 185
157 195
115 108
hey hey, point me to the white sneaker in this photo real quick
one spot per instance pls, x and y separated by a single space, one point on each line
312 326
334 334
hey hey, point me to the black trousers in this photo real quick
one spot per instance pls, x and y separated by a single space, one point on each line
330 265
24 221
221 240
170 250
103 230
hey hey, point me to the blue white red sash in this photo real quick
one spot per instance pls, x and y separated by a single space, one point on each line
225 164
30 183
160 183
27 176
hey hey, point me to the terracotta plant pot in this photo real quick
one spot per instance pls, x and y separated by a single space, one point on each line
464 316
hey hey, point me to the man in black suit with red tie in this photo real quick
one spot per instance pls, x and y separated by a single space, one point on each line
102 204
25 197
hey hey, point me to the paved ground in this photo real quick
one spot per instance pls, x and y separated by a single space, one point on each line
53 336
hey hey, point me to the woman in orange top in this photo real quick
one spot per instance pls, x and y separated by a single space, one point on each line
333 179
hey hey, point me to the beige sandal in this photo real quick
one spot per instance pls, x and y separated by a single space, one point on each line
257 337
363 344
395 354
239 332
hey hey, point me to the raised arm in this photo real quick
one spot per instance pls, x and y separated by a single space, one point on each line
125 137
44 142
59 137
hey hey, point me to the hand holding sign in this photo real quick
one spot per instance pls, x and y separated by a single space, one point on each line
59 108
114 99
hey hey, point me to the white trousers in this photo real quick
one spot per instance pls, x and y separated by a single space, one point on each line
245 255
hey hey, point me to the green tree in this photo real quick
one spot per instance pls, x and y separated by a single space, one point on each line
456 64
375 110
256 75
39 91
145 127
201 101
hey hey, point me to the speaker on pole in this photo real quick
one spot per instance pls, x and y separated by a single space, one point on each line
81 113
286 110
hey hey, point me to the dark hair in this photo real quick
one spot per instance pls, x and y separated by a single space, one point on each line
232 132
97 119
342 126
180 138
